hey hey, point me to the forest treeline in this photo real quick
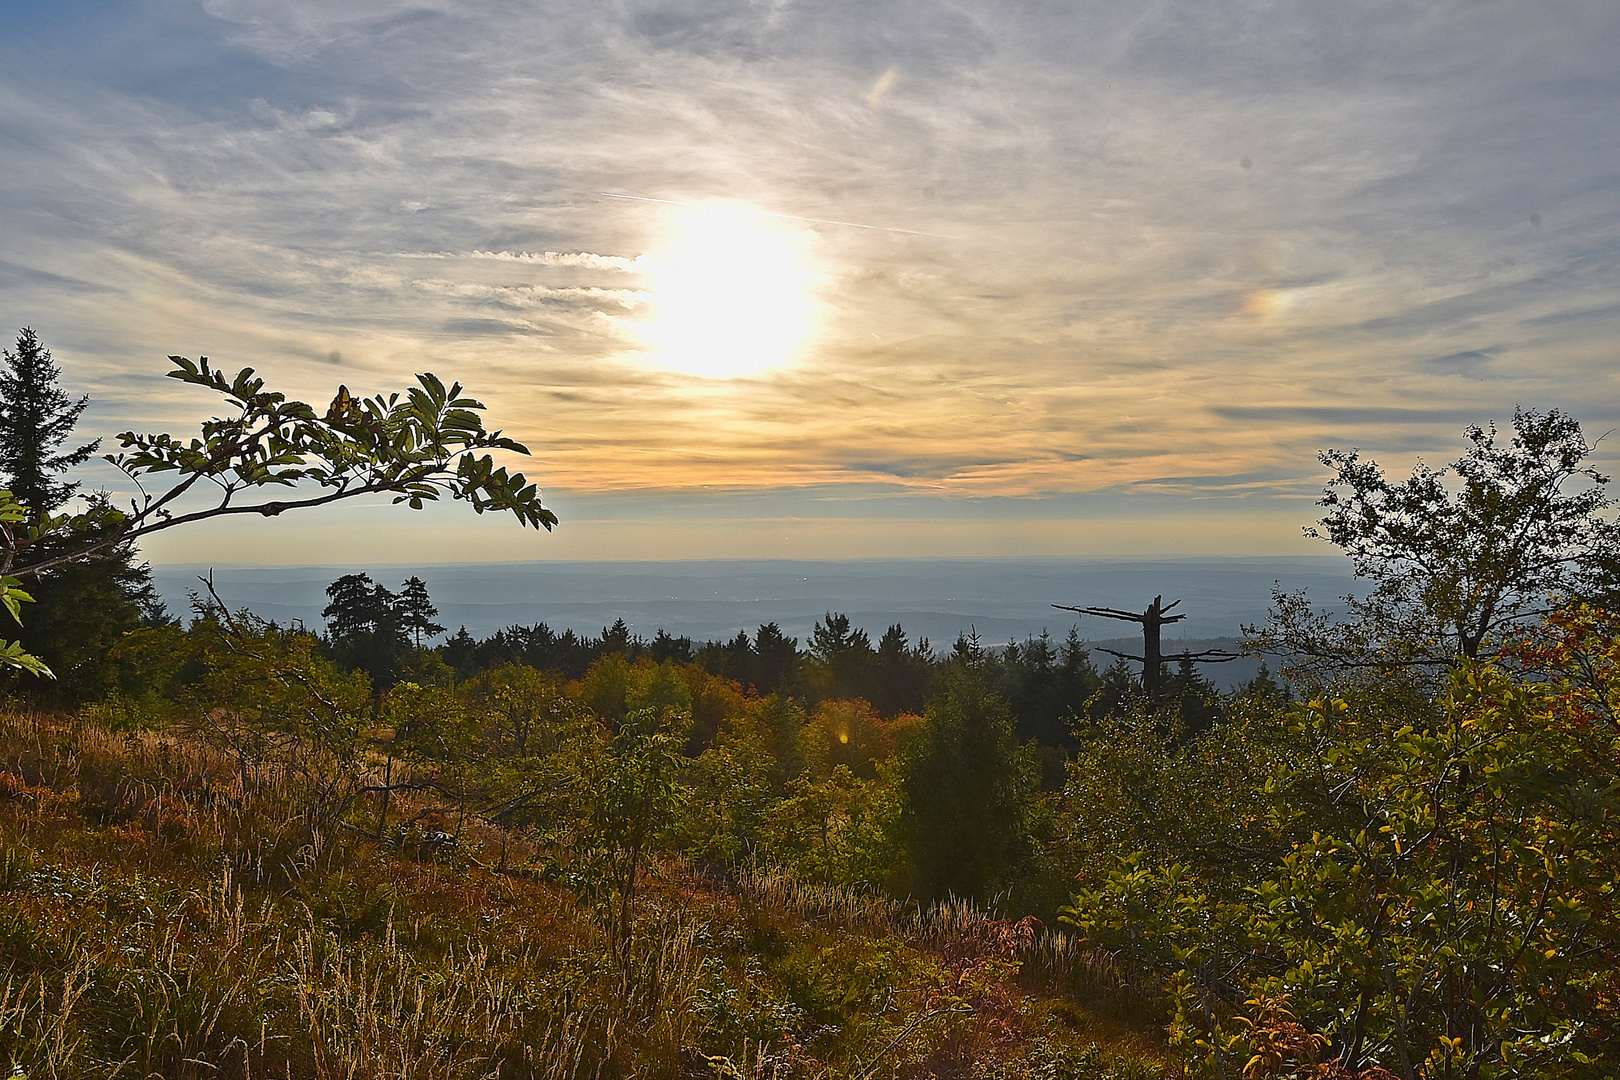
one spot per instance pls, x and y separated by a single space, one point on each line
545 855
1046 682
854 735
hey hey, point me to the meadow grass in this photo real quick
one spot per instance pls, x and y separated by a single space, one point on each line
166 913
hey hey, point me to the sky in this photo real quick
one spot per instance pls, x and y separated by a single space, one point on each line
764 278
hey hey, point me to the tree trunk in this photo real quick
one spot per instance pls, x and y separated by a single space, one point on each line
1152 655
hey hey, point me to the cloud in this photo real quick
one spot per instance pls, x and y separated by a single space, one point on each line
1469 362
17 277
583 259
1120 247
1346 416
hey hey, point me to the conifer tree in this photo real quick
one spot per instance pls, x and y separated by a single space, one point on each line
844 661
36 417
360 607
415 610
616 638
903 674
82 609
776 660
364 629
968 786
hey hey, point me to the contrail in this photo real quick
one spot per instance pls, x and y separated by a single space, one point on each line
789 217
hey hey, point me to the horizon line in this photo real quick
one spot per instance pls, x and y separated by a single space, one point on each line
988 559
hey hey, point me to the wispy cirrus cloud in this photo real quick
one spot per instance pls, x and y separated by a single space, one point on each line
584 259
1115 244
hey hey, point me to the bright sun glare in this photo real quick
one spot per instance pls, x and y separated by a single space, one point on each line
730 293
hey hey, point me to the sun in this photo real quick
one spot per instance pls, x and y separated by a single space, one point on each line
730 293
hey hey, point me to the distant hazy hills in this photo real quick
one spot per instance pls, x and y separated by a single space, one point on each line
932 598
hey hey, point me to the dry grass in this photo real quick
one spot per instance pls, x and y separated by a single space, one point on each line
166 913
1049 958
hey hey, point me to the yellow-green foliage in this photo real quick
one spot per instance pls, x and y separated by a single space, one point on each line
839 830
1432 890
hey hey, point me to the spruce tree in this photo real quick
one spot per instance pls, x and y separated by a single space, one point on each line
776 660
969 786
36 417
415 610
902 678
82 609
